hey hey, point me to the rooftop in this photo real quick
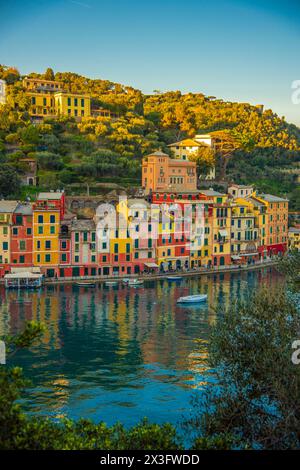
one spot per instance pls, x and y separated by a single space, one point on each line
55 195
8 206
271 198
24 209
211 192
83 225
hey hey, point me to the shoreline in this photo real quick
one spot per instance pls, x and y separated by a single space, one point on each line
155 277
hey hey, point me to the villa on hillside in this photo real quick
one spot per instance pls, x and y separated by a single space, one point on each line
186 147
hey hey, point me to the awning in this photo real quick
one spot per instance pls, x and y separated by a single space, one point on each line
250 254
151 265
223 233
235 257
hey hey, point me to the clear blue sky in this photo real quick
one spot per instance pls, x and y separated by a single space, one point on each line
242 50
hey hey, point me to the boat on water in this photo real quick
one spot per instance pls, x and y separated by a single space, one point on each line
135 282
126 280
192 299
85 284
174 278
111 283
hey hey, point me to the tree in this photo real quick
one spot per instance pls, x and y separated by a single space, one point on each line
257 401
204 158
9 181
49 74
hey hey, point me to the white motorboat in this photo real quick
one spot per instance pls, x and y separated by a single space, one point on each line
192 299
111 283
135 282
174 278
85 284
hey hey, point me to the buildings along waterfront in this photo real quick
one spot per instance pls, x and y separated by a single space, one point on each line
175 226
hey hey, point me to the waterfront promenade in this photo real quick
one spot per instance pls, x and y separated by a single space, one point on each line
162 275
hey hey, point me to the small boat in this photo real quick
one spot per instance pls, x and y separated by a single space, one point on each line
126 280
111 283
135 282
192 299
85 284
174 278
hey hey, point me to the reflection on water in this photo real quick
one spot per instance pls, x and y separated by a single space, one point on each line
120 353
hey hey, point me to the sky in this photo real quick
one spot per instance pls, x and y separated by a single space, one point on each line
238 50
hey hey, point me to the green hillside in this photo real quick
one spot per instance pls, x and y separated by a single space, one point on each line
96 150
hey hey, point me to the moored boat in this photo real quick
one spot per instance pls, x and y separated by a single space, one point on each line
85 284
111 283
192 299
174 278
135 282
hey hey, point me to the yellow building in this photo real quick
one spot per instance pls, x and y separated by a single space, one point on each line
46 227
48 99
244 232
42 104
219 215
73 105
7 209
294 238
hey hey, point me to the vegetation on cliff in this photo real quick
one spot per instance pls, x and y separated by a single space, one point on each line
103 149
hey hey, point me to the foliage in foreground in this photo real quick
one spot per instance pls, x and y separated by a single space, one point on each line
257 399
255 404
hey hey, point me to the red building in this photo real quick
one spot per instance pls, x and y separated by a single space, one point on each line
22 236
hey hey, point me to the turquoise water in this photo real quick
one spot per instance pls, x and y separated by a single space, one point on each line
120 353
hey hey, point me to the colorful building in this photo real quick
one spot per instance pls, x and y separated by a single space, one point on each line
161 173
243 233
22 236
48 210
294 238
48 99
277 223
187 147
83 248
7 209
72 105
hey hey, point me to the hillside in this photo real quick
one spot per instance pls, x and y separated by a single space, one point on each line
98 149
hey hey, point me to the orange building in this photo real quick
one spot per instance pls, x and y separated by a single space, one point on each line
162 173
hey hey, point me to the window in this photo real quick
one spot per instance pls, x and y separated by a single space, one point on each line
5 230
28 231
104 246
116 248
93 236
63 245
38 258
5 246
76 259
52 229
127 247
76 237
85 236
40 219
136 255
19 220
22 259
93 259
38 244
69 102
82 102
33 100
47 258
22 245
40 230
48 245
52 219
75 102
15 231
64 257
